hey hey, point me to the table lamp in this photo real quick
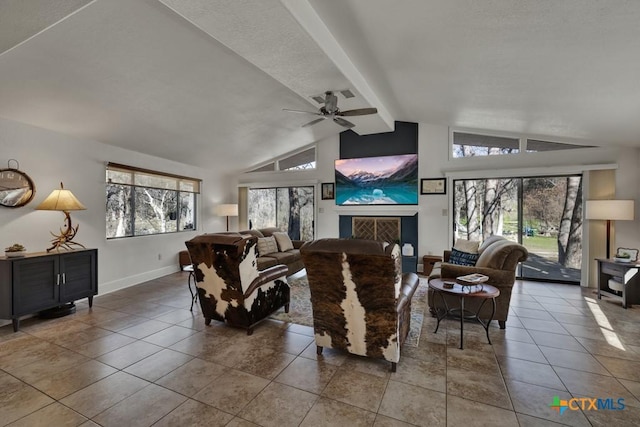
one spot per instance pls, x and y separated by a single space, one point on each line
610 210
64 201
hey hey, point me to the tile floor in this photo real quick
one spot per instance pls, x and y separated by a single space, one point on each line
141 358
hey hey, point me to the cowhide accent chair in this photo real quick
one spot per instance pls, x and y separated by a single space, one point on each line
230 287
361 301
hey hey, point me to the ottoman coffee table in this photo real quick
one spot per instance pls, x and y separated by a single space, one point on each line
451 287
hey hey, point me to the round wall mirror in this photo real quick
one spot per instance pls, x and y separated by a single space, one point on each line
16 188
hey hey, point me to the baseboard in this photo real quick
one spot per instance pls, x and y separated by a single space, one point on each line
105 288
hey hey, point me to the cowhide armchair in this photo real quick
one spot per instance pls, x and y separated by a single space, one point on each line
361 300
230 287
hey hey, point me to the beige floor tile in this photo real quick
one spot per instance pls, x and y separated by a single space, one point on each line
529 421
328 413
627 417
168 337
535 401
239 422
192 377
63 383
178 316
92 400
540 314
355 388
158 364
543 325
329 355
573 359
73 339
414 405
301 329
232 391
195 414
103 345
306 374
586 384
279 405
201 343
632 386
122 322
129 354
421 373
289 342
530 372
384 421
17 399
548 339
463 412
21 352
478 386
52 415
144 329
519 350
264 362
471 360
143 408
427 351
368 365
511 334
614 349
52 362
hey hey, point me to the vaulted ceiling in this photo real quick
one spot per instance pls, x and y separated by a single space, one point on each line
204 82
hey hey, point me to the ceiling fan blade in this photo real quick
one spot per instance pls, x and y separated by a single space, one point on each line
343 122
313 122
358 112
315 113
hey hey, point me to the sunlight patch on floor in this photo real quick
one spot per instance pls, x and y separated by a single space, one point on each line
605 325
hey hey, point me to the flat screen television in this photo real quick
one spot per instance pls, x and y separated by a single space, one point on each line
385 180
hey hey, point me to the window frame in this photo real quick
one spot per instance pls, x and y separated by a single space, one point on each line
181 185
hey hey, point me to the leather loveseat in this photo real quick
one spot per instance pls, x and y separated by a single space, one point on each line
290 257
498 259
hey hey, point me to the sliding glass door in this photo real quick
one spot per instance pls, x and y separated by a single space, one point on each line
543 213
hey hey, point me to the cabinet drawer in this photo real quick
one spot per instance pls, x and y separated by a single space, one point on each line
613 269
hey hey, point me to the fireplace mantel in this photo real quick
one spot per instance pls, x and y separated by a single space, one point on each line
373 210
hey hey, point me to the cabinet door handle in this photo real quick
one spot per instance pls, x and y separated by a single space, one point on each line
58 279
64 278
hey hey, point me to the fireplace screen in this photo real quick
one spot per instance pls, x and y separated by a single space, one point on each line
385 229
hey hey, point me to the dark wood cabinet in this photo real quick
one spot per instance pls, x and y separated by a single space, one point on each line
40 281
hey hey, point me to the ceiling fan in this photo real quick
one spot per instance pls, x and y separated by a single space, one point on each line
330 110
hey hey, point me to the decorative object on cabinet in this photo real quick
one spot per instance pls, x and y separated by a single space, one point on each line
610 210
433 186
64 201
328 191
16 187
227 210
14 251
47 283
626 255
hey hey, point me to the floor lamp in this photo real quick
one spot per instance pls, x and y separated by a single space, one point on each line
610 210
227 210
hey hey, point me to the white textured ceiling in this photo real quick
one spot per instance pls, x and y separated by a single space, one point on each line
204 81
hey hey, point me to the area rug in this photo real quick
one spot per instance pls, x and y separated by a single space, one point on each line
300 308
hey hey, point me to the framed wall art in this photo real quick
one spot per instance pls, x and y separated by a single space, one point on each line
433 186
328 191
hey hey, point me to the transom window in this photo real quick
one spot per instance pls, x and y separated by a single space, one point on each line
142 202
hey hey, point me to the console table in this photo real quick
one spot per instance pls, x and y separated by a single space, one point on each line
626 273
40 281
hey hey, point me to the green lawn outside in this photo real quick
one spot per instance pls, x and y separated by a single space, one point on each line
541 244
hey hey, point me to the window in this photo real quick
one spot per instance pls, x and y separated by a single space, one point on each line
472 145
301 160
288 208
535 145
141 202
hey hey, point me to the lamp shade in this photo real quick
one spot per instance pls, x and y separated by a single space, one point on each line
61 200
618 210
227 210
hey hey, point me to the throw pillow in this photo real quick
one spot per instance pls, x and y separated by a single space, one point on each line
267 245
462 258
468 246
284 242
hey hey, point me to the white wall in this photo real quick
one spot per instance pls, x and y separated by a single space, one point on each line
49 158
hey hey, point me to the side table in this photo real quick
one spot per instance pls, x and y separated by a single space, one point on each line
486 292
428 261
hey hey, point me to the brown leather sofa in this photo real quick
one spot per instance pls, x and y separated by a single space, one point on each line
498 259
230 287
291 258
361 300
